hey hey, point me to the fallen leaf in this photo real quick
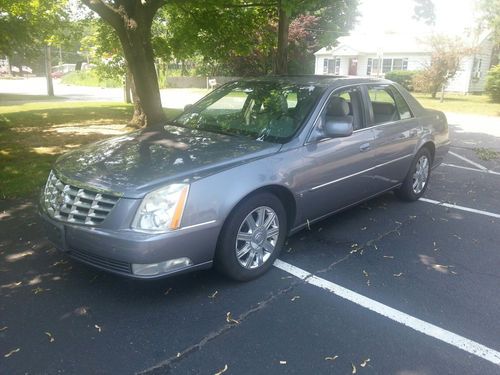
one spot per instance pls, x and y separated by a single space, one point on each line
3 328
364 228
397 274
39 290
229 319
222 371
365 273
308 225
282 362
178 355
295 298
388 256
368 282
457 236
331 358
167 291
320 229
51 338
353 368
365 362
99 329
7 355
213 294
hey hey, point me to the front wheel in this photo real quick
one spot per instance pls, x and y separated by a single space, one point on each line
252 237
416 181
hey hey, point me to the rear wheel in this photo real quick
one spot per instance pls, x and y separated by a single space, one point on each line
416 181
252 237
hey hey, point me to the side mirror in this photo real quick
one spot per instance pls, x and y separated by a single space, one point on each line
187 107
338 128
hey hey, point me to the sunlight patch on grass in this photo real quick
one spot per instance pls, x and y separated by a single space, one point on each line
92 129
52 150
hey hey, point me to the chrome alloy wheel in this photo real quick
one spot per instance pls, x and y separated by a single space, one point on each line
421 174
257 237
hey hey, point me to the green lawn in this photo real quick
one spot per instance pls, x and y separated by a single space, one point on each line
474 104
33 134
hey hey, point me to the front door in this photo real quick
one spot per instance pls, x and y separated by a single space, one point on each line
336 172
353 67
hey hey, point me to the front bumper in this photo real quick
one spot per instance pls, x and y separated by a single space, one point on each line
116 250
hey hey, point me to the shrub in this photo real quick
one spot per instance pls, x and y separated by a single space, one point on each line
492 87
403 77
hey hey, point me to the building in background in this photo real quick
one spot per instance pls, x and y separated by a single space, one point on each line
369 55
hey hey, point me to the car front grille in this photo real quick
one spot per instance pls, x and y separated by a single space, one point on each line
71 204
101 262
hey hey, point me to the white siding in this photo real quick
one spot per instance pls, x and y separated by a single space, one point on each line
460 82
484 53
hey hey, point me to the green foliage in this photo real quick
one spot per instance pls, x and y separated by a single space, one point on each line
403 77
490 15
493 84
90 78
26 26
424 11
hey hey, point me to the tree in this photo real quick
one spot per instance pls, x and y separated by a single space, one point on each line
28 28
132 21
424 11
490 17
446 55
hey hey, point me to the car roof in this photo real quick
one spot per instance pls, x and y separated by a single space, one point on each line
318 80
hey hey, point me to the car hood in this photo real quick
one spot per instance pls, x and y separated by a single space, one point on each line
138 162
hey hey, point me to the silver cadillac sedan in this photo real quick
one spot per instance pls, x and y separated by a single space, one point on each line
229 179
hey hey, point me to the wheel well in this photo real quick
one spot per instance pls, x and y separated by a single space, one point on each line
284 195
431 147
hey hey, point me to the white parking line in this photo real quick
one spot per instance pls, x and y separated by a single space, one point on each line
470 169
469 161
426 328
462 208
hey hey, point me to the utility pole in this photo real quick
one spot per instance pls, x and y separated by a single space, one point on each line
48 72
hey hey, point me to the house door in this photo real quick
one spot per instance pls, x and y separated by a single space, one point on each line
353 67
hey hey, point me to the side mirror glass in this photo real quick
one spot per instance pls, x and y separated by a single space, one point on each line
338 128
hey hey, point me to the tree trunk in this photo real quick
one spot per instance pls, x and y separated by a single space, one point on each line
139 118
136 43
281 62
132 21
48 71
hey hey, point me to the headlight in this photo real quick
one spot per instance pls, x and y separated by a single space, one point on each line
161 210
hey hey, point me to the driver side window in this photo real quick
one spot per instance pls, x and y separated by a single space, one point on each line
344 105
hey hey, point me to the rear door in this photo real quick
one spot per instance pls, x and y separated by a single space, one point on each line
395 130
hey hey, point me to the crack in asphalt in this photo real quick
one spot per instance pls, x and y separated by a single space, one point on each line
165 366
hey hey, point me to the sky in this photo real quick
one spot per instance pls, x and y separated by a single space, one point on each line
379 16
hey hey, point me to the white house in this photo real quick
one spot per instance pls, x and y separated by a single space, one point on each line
365 55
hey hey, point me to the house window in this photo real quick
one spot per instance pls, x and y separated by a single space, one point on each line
331 66
372 66
386 65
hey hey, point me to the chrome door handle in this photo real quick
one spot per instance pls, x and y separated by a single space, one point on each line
364 147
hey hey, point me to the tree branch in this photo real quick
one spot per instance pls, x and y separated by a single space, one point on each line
105 11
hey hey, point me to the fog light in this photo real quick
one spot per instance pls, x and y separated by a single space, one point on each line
154 269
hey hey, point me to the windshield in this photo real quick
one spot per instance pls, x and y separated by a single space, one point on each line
264 111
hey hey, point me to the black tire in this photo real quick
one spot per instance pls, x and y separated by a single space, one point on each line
226 259
407 192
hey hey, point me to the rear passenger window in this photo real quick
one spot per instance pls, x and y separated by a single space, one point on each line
388 105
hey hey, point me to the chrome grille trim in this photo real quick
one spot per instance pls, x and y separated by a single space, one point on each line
72 204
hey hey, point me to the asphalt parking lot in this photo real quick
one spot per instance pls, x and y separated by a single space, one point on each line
384 288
